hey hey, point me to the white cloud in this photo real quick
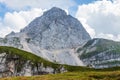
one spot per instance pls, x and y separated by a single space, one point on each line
109 36
4 30
14 20
17 20
21 4
101 17
90 30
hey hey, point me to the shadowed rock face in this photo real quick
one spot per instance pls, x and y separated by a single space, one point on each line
56 30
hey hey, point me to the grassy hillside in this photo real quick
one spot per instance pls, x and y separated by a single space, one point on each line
88 75
74 72
100 53
24 56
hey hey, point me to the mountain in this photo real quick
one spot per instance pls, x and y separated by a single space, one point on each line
61 38
100 53
56 30
52 36
57 40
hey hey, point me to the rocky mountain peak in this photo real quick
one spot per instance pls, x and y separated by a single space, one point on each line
55 12
10 34
56 30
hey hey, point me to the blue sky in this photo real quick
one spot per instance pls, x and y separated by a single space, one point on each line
3 9
100 18
84 1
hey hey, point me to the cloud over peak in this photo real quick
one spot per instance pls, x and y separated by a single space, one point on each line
22 4
102 17
18 20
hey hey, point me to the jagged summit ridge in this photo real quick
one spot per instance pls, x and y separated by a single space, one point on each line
56 30
55 12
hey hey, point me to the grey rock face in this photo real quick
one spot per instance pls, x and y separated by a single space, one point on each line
56 30
14 65
100 53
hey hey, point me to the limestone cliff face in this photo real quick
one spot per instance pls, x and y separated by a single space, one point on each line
15 62
100 53
56 30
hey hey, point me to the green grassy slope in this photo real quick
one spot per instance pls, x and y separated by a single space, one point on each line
87 75
24 55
